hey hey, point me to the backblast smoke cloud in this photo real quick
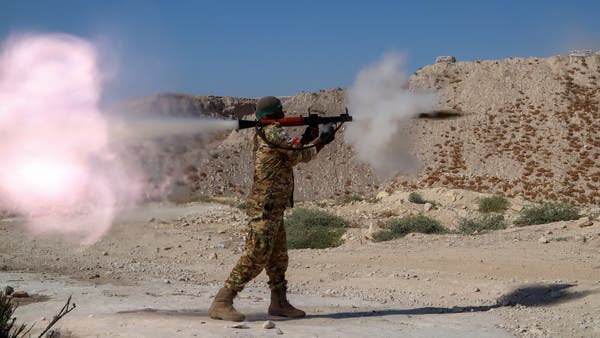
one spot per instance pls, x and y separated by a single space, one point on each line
55 164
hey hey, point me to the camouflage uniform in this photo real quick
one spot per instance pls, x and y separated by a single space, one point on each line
272 192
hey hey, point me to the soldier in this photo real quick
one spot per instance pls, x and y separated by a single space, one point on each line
272 192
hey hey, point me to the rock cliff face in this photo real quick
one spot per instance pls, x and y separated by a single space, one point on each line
528 127
518 127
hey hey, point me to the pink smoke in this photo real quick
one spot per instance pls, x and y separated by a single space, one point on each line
55 164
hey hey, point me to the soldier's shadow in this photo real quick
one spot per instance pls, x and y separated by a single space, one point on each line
528 295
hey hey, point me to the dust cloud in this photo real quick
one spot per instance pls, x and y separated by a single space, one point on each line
57 167
381 105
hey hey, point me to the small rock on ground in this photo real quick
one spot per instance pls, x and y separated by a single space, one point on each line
584 222
8 290
268 325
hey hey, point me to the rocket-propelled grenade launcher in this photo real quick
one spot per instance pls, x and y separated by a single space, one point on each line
310 120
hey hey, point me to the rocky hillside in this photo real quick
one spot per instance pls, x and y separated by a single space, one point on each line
528 127
519 127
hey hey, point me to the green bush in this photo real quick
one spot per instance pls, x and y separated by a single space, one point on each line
415 197
547 213
400 227
482 224
493 204
314 229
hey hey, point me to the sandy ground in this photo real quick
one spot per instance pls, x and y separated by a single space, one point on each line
154 275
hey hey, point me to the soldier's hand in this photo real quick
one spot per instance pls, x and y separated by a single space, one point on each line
310 133
327 133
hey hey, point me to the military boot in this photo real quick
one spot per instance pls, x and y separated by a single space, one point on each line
281 307
222 306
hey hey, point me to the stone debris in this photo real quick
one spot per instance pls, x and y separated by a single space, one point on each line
382 194
239 326
372 230
580 53
543 240
445 59
279 332
516 207
54 333
8 290
268 325
584 222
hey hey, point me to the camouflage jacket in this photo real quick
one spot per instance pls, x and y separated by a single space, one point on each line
273 185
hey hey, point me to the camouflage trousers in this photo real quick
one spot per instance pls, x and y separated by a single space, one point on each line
266 248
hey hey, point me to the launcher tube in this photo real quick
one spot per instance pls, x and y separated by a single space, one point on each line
310 120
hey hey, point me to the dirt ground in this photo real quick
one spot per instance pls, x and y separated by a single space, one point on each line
155 272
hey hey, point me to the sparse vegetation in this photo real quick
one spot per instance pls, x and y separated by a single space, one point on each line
493 204
7 321
547 213
350 198
8 329
415 197
482 224
373 199
206 199
314 229
400 227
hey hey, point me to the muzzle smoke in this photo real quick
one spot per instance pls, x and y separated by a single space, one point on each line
381 106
